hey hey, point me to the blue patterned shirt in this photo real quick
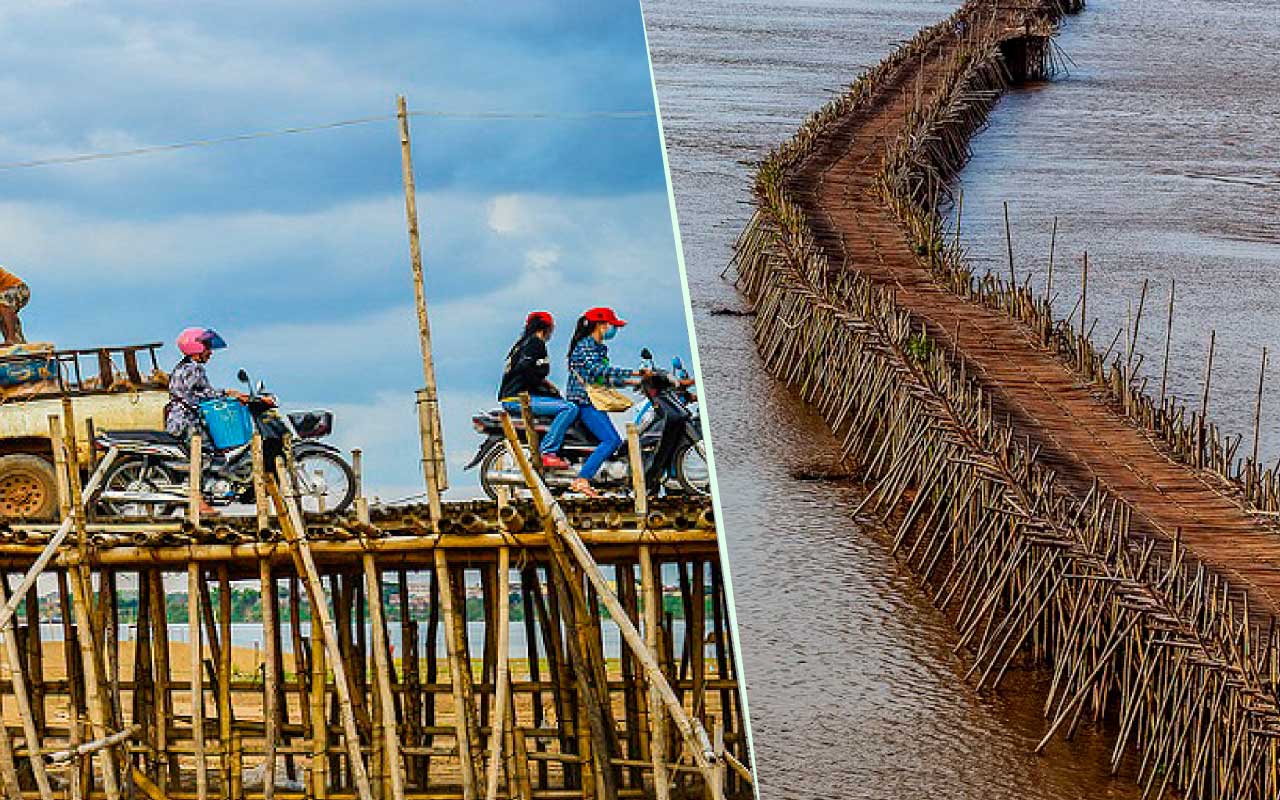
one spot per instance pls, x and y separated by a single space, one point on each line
188 387
590 360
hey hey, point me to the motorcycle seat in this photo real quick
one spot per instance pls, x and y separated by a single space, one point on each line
497 414
154 437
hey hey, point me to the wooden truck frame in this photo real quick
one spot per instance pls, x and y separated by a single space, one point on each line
109 390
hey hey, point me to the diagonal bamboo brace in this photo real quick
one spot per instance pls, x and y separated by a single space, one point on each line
691 730
295 532
55 541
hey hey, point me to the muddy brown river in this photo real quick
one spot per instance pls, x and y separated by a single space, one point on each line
1157 153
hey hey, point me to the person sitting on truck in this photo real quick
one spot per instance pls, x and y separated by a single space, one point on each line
14 296
527 370
189 384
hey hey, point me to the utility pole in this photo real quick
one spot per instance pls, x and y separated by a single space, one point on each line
433 463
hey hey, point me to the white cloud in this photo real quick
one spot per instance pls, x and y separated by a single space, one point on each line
542 258
509 215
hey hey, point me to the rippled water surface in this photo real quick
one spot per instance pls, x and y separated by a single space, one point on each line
1157 152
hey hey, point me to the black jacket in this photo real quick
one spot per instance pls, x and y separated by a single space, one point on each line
527 369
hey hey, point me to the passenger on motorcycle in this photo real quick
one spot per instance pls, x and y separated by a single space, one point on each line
189 383
589 361
526 370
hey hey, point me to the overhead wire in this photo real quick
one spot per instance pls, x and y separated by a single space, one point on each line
81 158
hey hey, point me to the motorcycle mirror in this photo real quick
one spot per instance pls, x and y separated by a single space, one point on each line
262 387
646 355
242 376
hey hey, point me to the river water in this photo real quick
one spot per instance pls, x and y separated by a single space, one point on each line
1157 152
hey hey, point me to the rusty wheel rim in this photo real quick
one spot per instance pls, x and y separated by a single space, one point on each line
21 495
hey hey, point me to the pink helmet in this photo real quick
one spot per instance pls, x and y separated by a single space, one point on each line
194 341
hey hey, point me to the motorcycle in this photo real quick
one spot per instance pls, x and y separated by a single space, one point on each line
150 475
673 453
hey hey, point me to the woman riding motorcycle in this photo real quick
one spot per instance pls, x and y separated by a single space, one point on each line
526 370
589 362
189 383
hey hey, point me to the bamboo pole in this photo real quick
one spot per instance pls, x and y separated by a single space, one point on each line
433 464
691 730
652 589
162 675
1137 323
18 683
9 782
230 760
1008 240
1168 338
1084 294
194 635
461 696
1257 409
382 676
195 481
295 533
270 634
636 461
1204 403
502 682
531 431
1053 241
261 503
89 634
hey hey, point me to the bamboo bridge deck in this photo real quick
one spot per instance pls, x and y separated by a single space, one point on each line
385 667
1058 513
1078 431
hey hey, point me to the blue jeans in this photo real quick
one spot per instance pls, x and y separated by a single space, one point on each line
564 411
599 424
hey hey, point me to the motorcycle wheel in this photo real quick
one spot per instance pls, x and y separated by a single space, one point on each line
692 471
136 475
325 481
488 465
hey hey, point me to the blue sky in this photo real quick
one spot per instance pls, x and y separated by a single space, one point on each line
294 248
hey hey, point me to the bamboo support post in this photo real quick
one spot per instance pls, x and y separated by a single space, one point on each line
458 670
271 675
498 738
30 730
195 478
635 459
194 635
433 463
392 767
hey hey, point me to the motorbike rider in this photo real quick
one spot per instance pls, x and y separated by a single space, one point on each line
189 384
589 361
526 370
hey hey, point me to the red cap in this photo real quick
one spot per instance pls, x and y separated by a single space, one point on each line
604 314
542 316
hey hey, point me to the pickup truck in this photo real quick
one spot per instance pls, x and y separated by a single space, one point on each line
109 390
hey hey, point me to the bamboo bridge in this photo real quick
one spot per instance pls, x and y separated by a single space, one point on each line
1056 511
383 667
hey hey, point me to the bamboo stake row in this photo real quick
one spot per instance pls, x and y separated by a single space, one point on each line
1138 634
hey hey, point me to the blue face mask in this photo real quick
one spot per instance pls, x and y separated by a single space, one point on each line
610 332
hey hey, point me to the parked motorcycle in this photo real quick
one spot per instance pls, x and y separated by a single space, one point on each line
150 475
671 445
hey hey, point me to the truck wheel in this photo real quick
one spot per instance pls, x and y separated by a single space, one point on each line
28 488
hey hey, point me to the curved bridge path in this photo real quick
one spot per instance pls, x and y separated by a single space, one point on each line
1078 433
